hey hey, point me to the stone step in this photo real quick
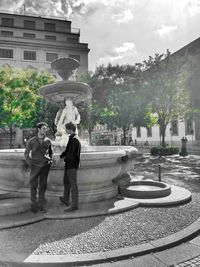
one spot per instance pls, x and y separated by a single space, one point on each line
4 194
14 206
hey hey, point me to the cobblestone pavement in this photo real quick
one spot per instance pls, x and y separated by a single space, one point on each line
190 263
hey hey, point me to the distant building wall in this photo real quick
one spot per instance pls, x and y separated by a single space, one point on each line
35 41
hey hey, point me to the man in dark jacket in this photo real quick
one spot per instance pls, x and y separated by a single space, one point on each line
71 157
38 155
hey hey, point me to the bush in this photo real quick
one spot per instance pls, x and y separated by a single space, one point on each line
159 151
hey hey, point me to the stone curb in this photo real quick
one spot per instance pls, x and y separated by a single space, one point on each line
117 254
6 225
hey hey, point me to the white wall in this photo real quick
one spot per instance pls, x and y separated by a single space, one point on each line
168 137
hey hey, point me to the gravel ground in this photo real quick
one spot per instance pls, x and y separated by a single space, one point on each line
105 233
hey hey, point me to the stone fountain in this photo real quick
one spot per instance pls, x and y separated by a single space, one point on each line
100 165
101 174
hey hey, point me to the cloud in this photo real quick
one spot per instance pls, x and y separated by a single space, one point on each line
123 17
193 7
119 54
165 30
106 25
126 47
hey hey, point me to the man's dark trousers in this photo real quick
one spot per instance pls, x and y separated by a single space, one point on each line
38 175
70 185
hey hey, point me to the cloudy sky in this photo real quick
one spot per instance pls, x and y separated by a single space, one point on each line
123 31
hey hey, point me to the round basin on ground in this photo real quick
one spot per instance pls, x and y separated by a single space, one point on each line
145 189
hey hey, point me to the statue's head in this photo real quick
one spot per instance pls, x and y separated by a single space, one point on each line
68 102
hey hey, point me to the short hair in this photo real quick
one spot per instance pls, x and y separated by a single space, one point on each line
70 126
40 124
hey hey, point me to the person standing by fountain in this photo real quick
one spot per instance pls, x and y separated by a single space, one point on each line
71 157
39 161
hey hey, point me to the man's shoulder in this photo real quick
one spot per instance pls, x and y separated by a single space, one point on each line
76 139
32 139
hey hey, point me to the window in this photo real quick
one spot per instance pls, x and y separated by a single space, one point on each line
77 57
50 26
72 40
149 132
6 33
50 37
188 126
138 129
7 22
29 35
174 127
29 55
29 24
51 56
6 53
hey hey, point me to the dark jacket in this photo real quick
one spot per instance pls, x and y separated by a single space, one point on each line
41 153
72 152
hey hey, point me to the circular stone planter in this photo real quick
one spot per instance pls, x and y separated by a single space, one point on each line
145 189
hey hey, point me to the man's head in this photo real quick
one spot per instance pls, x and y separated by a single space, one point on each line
70 128
42 128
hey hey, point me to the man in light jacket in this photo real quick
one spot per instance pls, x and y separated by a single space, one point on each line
38 155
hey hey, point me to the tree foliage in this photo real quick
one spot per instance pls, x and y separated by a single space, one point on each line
19 97
164 89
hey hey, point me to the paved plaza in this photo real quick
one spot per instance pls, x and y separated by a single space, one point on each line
118 232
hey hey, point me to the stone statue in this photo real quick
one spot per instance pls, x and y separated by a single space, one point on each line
68 114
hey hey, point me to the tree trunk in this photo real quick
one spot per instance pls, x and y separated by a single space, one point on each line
11 137
162 133
90 137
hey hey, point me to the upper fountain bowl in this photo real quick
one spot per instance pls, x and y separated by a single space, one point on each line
59 91
65 67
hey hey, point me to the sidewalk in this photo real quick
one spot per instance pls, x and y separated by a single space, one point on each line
167 251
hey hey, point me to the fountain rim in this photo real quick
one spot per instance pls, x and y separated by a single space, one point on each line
163 189
80 91
85 155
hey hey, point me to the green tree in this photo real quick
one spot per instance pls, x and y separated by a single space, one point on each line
118 93
18 96
164 90
122 103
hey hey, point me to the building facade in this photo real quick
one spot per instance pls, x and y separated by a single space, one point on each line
29 41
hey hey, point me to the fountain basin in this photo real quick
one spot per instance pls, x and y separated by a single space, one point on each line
61 90
98 167
145 189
